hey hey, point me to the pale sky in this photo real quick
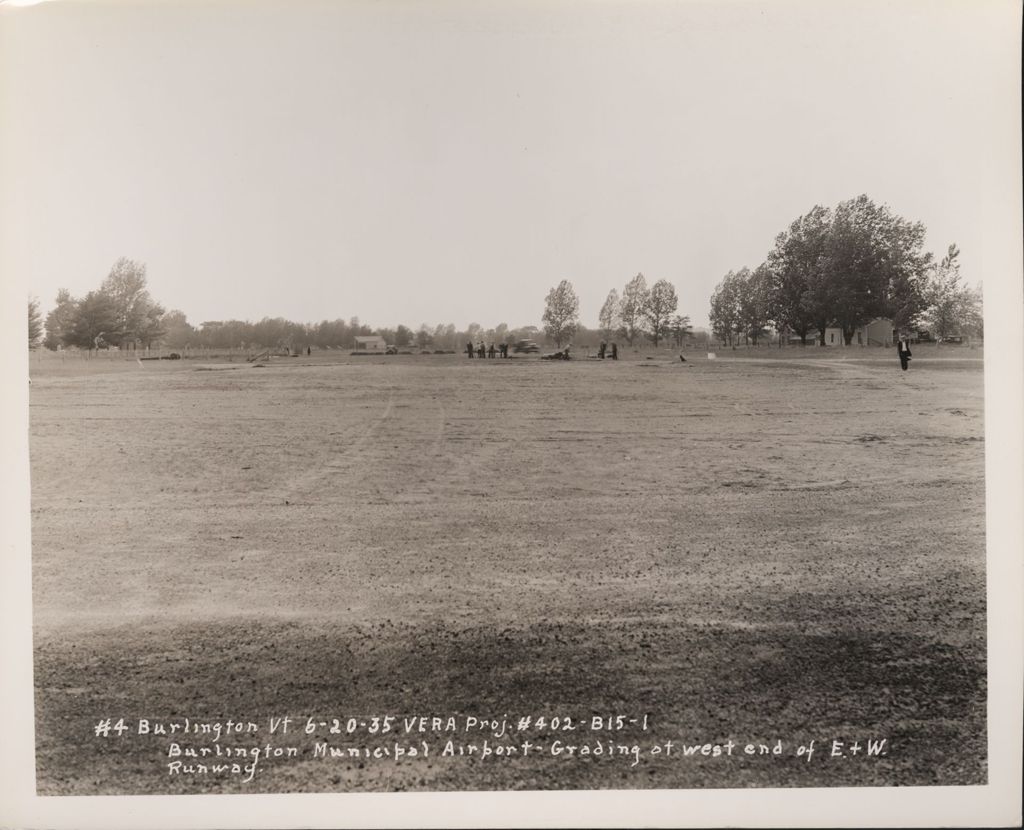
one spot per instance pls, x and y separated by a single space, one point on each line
439 162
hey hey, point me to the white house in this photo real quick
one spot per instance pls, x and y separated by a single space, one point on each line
876 333
371 344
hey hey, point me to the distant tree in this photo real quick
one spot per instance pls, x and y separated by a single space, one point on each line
60 320
151 329
35 323
974 318
587 337
423 336
96 322
270 332
631 307
209 330
952 308
561 312
754 301
524 333
177 333
661 304
725 309
333 334
403 336
679 327
610 317
136 315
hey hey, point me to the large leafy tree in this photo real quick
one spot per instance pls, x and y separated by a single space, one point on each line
845 267
136 315
561 312
798 298
661 304
631 307
874 265
951 307
905 273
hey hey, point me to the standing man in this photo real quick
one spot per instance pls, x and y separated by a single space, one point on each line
469 350
903 350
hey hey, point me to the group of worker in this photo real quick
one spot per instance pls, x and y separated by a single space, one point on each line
482 350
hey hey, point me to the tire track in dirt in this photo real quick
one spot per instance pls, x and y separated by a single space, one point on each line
409 448
397 454
862 369
346 460
860 372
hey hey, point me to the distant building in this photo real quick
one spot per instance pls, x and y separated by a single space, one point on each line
371 344
878 332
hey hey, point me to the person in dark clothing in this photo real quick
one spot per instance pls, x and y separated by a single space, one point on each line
615 351
481 350
490 352
503 349
903 350
469 350
602 349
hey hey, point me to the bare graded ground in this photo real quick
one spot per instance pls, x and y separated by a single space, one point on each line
756 549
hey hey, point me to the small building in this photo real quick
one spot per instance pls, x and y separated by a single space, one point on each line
371 344
878 332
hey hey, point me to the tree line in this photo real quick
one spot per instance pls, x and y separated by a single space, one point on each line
122 314
836 267
639 312
842 268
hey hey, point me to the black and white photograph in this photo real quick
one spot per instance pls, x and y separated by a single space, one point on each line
526 413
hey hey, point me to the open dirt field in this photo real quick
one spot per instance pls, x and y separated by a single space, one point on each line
778 548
